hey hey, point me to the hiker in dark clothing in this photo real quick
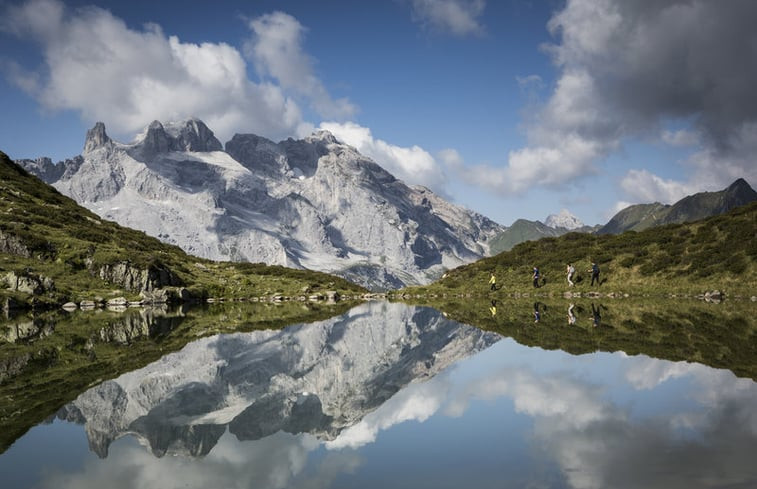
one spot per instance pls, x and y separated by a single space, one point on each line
595 274
536 277
537 314
596 316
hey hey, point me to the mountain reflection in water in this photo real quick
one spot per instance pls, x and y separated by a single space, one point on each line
394 396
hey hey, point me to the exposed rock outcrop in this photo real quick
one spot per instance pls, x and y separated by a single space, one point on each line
27 283
137 279
12 245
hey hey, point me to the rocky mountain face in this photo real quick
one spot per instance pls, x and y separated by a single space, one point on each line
313 203
691 208
565 220
317 378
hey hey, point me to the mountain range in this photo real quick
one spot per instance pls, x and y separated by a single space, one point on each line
633 218
691 208
525 230
312 203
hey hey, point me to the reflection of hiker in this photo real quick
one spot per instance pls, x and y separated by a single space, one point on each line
493 308
571 316
536 277
537 314
493 282
596 316
571 270
594 273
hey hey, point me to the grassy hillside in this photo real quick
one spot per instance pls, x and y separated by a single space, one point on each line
59 251
691 208
520 231
636 218
715 253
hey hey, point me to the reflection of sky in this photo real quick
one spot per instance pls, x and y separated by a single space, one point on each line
509 416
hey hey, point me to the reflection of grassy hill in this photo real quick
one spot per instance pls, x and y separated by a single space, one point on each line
716 253
65 355
717 335
55 250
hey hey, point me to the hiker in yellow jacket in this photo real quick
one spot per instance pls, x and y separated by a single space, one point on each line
492 282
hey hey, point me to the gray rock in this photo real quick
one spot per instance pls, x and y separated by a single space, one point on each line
12 245
96 138
28 283
138 280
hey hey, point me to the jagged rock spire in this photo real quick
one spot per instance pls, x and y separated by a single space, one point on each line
190 135
96 138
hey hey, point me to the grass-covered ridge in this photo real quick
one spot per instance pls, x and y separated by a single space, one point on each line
716 253
48 239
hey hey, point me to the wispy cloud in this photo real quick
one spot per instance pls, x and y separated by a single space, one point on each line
456 17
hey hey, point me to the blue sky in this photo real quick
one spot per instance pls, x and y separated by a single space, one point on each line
512 108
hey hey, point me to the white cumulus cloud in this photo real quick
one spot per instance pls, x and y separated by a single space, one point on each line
97 65
276 49
627 68
648 187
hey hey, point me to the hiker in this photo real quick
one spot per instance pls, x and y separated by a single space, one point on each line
571 270
594 273
493 282
571 316
536 277
493 308
537 314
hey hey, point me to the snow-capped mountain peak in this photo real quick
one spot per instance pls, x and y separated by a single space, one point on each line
564 219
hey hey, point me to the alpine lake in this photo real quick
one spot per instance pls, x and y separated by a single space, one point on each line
531 393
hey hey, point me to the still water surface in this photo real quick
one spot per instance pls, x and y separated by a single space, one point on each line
389 395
